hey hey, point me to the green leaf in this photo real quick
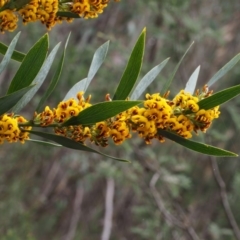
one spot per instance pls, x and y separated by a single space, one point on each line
132 70
66 142
100 112
224 70
9 53
41 76
192 82
55 78
196 146
68 14
169 82
219 98
8 101
44 143
30 66
147 80
72 93
17 56
98 59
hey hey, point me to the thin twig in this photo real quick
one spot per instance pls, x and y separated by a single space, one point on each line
76 214
49 181
170 219
224 197
108 210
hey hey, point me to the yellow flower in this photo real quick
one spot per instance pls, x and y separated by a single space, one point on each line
8 21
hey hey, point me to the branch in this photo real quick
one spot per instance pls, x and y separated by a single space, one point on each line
224 197
76 214
170 219
108 210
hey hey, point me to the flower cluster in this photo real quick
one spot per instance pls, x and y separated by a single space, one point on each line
181 116
63 112
49 12
10 130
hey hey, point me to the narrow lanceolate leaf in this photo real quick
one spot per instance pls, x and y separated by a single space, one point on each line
8 101
79 86
30 66
68 14
147 80
82 85
50 144
219 98
169 82
224 70
192 82
38 80
132 70
54 80
97 61
196 146
17 56
100 112
66 142
9 53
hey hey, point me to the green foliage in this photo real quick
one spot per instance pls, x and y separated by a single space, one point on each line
30 66
66 142
147 80
9 101
54 80
38 80
9 52
169 82
219 98
17 56
224 70
39 184
132 70
192 82
195 146
97 61
100 112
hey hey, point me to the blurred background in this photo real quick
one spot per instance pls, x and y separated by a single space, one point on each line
167 192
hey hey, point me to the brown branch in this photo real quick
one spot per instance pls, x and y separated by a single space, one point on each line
108 210
170 219
224 197
49 182
76 214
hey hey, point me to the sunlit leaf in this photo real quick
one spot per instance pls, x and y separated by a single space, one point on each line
82 85
219 98
147 80
17 56
8 101
50 144
224 70
97 61
132 70
41 76
54 80
9 53
169 82
100 112
196 146
192 82
30 66
66 142
72 93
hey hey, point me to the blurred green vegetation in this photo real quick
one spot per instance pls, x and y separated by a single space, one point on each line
50 193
